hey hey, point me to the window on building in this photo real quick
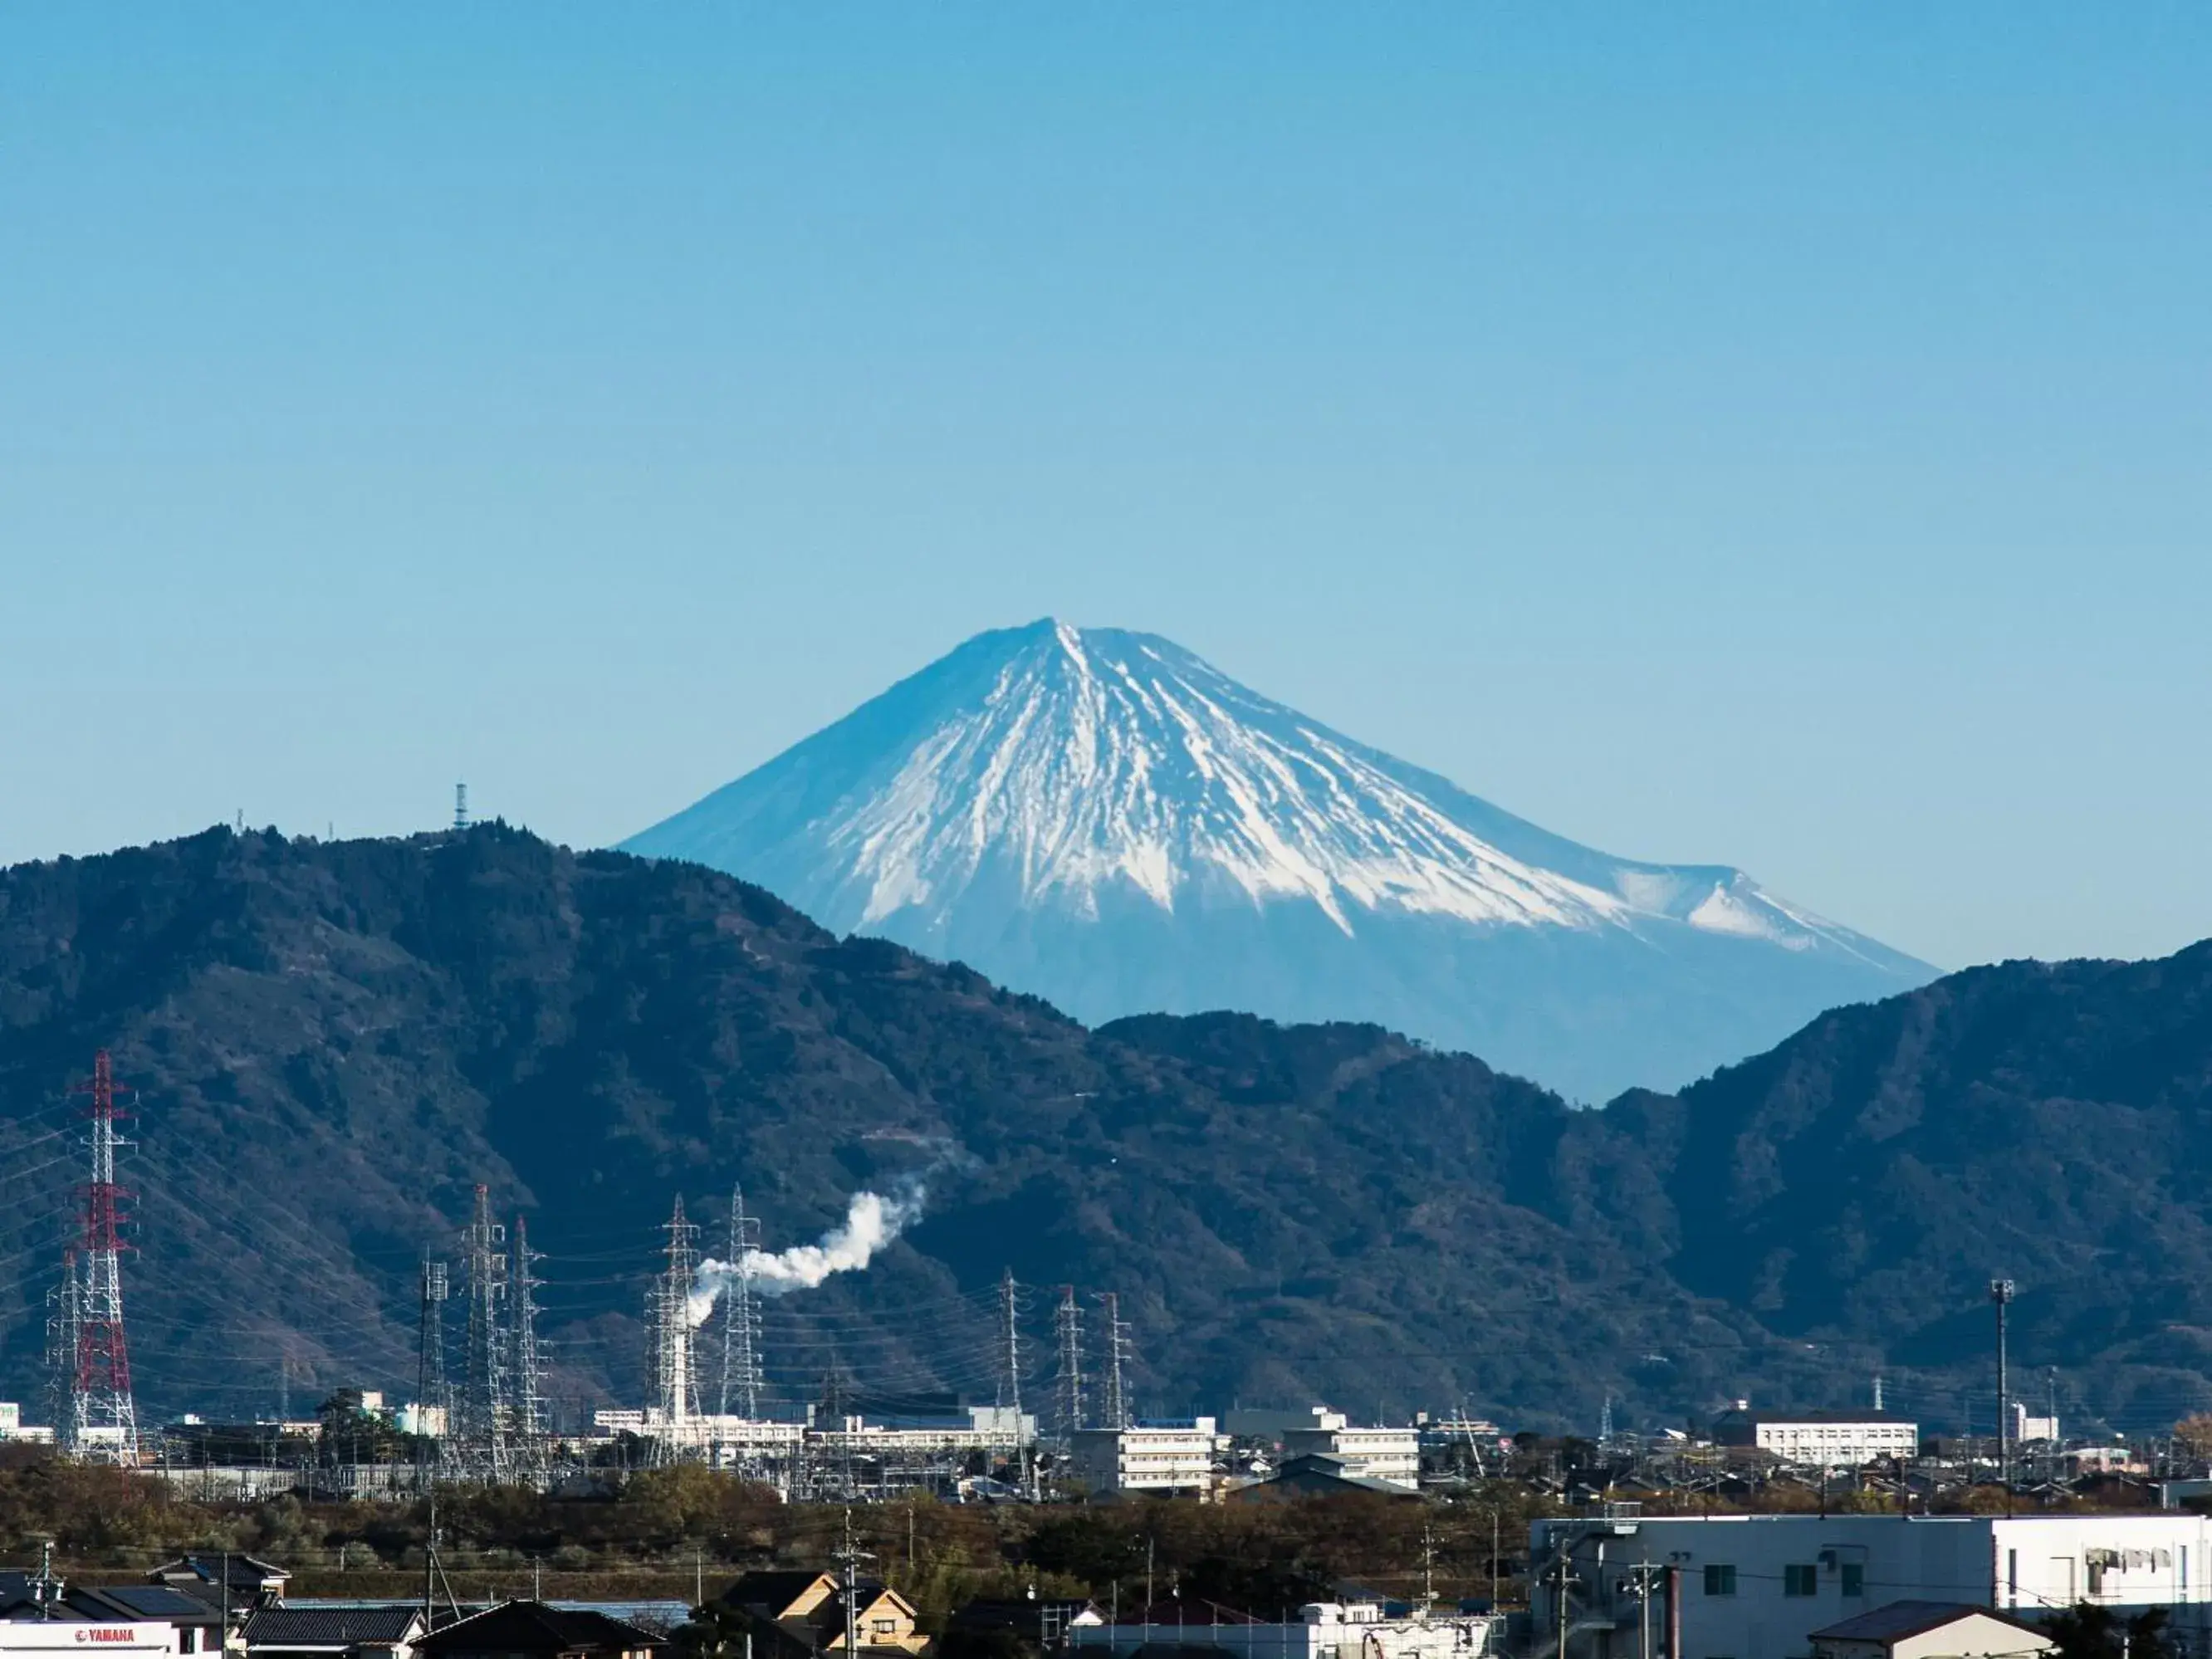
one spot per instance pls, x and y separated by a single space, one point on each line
1798 1580
1854 1578
1720 1580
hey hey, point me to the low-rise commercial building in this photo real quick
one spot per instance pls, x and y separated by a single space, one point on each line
1757 1586
1162 1456
1391 1455
1819 1440
40 1639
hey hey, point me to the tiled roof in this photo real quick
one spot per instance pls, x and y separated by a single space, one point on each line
1900 1619
534 1627
323 1627
775 1590
149 1601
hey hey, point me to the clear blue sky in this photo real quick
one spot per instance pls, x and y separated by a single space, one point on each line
1775 434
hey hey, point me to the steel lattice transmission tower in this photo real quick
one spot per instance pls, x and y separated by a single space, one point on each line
1113 1412
430 1392
676 1385
1010 1343
102 1423
480 1438
1067 1326
741 1362
65 1318
526 1372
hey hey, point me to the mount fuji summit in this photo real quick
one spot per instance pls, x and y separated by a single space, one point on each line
1105 820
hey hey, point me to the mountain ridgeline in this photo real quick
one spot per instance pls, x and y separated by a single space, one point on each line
333 1044
1104 819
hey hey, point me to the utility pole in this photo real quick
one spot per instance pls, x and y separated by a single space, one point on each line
1560 1575
1067 1325
430 1562
1115 1414
2001 1294
852 1557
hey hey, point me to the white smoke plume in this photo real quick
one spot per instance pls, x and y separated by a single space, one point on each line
872 1221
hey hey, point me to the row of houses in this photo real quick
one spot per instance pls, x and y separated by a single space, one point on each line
234 1605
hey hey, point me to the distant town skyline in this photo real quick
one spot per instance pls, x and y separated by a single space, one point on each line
1768 437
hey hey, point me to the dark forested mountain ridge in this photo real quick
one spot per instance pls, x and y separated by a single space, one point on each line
2051 1123
334 1043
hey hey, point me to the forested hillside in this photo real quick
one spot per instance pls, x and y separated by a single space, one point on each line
333 1044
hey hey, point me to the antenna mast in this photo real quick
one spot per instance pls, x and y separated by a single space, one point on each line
460 807
102 1423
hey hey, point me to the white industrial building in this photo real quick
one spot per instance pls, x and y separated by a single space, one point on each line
1157 1456
1391 1456
13 1427
1324 1630
1821 1440
138 1640
1757 1586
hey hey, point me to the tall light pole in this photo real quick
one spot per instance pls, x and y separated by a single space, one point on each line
2000 1293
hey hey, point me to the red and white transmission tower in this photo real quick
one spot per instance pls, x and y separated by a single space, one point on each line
102 1425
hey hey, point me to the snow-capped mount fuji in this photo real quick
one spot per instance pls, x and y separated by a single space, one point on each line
1107 821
